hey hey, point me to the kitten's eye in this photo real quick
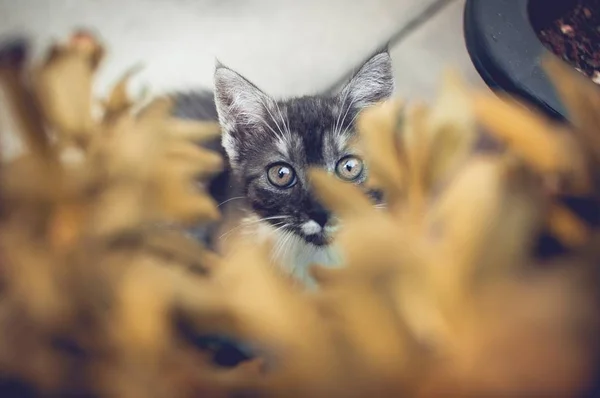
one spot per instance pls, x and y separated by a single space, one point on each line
349 168
281 175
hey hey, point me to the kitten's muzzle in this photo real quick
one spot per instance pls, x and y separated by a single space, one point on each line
320 216
319 230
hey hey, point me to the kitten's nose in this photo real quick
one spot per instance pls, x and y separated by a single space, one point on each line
320 216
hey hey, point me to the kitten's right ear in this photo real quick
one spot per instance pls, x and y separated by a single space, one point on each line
239 103
374 82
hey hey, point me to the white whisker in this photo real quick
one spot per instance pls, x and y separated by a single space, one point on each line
350 124
337 123
263 121
280 226
231 200
279 244
346 114
281 134
297 263
248 223
283 120
284 248
228 233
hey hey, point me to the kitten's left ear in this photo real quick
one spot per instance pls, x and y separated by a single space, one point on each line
374 82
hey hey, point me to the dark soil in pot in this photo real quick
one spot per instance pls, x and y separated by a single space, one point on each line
571 30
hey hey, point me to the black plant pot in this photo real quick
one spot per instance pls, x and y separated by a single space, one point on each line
503 44
504 47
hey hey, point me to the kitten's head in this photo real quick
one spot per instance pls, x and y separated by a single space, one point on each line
271 144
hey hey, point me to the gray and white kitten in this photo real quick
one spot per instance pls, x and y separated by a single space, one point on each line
271 144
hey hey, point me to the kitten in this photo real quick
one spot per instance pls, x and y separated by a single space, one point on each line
270 145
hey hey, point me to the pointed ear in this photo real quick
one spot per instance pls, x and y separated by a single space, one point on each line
374 82
240 105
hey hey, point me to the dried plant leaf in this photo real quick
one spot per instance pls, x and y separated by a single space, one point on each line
378 128
118 101
22 105
547 148
143 332
502 205
452 129
344 199
567 227
416 141
67 106
582 101
87 43
195 131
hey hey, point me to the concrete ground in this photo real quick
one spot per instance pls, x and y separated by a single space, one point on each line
287 47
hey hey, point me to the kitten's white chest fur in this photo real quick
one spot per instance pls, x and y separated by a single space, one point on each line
294 254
